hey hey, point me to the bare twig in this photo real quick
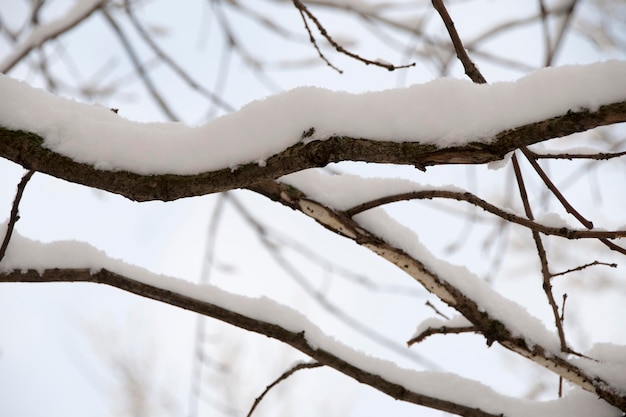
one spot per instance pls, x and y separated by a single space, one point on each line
440 330
595 156
15 216
568 207
436 310
297 367
557 193
470 68
490 208
579 268
305 11
543 257
314 42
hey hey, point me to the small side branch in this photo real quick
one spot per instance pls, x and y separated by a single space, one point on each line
440 330
543 257
284 376
470 68
490 208
15 216
305 12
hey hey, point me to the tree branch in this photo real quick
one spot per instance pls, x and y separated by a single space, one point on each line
15 215
490 208
27 149
295 339
295 368
490 327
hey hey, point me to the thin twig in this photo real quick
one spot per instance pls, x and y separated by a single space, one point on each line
490 208
595 156
305 11
568 207
284 376
543 257
562 320
436 310
579 268
440 330
15 216
314 42
470 68
546 180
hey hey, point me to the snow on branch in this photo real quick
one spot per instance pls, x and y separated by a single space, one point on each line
496 318
28 261
446 121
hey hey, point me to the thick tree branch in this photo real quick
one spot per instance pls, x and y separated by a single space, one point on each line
490 327
297 340
27 150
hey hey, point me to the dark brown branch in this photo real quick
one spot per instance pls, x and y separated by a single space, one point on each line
14 216
568 207
543 257
305 11
488 207
595 156
297 367
440 330
580 268
312 39
470 69
298 340
491 328
26 149
436 310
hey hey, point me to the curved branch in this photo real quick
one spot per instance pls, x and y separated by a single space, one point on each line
485 205
490 327
295 368
295 339
26 149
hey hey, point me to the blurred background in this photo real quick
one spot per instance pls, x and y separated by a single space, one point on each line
84 349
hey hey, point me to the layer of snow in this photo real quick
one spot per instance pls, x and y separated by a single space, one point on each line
342 191
24 253
443 112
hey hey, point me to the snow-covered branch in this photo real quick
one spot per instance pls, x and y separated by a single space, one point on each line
266 317
446 121
497 319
